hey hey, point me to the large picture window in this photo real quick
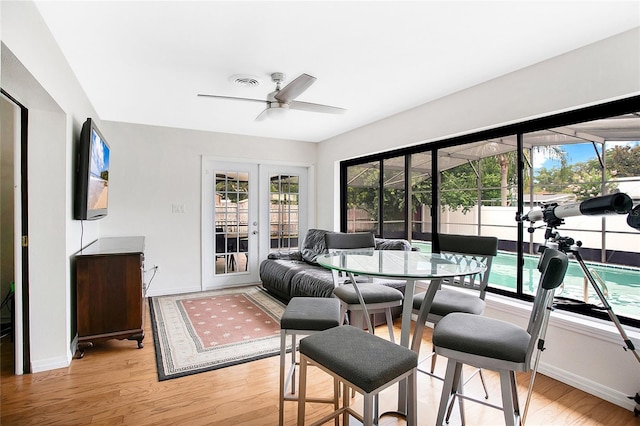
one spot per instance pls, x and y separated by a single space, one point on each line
479 184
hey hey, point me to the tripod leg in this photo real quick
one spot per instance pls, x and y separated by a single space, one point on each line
537 361
607 306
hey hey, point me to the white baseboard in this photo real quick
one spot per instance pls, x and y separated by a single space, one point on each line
580 325
596 389
50 364
171 291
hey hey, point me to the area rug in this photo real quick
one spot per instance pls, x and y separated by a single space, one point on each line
204 331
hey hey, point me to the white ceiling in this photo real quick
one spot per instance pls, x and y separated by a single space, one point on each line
145 62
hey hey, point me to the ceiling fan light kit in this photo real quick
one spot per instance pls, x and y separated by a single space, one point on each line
277 112
280 100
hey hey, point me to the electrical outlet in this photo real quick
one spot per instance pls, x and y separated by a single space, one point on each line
177 208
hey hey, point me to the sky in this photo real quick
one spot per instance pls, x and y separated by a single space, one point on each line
576 153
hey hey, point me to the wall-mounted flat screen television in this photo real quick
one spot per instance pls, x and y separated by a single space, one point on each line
92 174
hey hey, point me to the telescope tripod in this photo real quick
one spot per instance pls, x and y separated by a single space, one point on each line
568 246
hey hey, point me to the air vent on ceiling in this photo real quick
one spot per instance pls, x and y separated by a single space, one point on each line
245 80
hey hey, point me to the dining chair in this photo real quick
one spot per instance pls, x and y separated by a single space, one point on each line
304 316
376 296
456 294
363 362
497 345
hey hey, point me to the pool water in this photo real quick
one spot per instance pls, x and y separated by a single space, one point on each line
622 283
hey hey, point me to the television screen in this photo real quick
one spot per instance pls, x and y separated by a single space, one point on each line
98 173
92 174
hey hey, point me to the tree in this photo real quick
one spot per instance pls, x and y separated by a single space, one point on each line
503 160
624 160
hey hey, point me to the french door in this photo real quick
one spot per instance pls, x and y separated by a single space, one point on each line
248 210
230 224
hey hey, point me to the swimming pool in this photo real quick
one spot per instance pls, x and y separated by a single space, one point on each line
622 283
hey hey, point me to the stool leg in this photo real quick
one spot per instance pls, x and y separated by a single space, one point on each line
293 364
345 404
336 400
451 384
367 410
509 397
302 393
387 313
412 401
283 357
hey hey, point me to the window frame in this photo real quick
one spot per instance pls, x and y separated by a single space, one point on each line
580 115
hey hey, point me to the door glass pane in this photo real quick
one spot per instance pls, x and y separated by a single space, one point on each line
478 196
579 163
363 183
458 184
231 222
393 204
283 211
498 205
421 190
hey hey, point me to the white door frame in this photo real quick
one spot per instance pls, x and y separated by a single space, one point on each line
18 324
264 167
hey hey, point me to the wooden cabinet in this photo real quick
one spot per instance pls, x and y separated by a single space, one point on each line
109 291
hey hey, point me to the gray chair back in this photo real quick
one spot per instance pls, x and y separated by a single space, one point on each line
465 248
349 241
553 267
336 241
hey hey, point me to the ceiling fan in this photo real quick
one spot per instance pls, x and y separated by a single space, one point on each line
281 100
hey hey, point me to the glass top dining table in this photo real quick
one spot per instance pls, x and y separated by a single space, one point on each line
410 266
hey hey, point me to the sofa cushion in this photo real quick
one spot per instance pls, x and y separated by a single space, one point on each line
312 281
384 244
313 245
286 255
276 275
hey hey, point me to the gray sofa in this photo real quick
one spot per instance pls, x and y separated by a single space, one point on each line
291 274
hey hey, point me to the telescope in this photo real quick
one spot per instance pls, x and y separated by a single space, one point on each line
618 203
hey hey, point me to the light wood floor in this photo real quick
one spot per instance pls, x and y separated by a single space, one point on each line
116 383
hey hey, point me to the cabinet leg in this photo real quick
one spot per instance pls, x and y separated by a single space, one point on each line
81 347
138 338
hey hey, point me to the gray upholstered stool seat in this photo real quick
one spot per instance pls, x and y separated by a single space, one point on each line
311 313
362 361
371 293
482 336
447 301
304 316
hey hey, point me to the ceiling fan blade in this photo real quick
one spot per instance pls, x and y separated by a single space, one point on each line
307 106
295 88
232 97
262 116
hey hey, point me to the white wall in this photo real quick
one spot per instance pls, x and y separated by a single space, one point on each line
153 168
35 72
586 357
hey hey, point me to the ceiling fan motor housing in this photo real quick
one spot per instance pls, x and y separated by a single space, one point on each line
277 77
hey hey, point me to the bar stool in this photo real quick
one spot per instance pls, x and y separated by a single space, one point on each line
361 361
304 316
